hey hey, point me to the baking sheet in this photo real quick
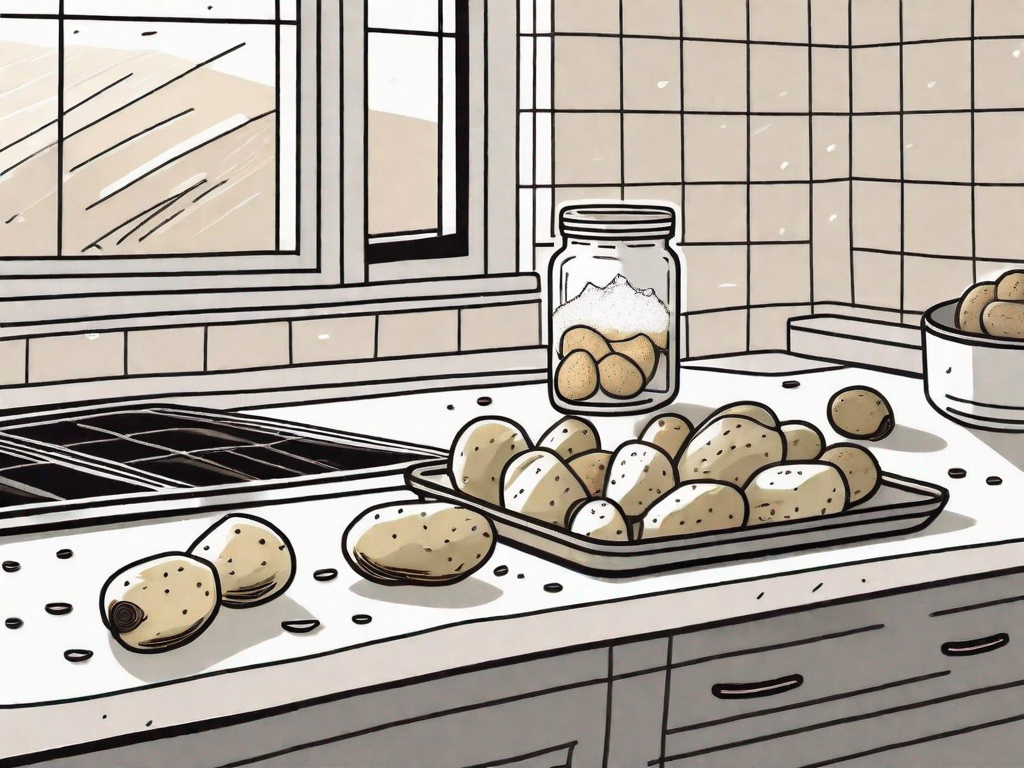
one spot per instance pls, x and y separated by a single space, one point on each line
900 506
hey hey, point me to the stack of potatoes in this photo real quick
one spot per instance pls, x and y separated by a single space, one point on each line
995 308
739 467
619 368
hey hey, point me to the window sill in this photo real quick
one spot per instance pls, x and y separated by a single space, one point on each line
96 313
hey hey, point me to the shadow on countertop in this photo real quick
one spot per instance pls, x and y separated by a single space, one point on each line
910 440
467 593
232 631
1009 445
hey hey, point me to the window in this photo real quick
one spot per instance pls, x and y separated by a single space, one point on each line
417 123
142 128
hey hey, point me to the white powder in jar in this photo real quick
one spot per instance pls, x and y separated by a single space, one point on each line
617 311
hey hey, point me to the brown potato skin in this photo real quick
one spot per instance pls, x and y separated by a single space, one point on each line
971 306
860 413
1004 319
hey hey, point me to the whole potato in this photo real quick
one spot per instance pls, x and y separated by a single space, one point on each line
730 449
638 475
641 351
620 377
592 468
583 338
479 453
759 412
859 467
425 543
570 437
539 485
804 441
1003 319
972 304
599 519
795 491
696 506
576 377
669 432
1010 286
860 413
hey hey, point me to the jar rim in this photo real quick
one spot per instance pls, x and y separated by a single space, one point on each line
611 220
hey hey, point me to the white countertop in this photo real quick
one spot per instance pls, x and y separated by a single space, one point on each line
418 631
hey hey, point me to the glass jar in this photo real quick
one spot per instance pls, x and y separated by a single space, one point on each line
613 324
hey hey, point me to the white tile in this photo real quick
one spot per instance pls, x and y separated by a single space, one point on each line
543 94
526 148
526 72
543 138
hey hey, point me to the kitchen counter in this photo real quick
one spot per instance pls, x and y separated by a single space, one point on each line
246 663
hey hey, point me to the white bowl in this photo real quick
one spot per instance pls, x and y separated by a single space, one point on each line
971 378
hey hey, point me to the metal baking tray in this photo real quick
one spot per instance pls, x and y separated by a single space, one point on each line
900 506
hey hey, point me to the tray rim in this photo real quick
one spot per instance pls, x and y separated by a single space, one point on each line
933 500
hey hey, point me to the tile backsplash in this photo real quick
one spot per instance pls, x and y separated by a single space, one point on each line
823 152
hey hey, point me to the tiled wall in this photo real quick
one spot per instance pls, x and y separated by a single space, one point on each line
262 345
938 154
742 119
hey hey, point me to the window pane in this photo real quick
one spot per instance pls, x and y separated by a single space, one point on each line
169 139
403 133
187 9
403 14
28 137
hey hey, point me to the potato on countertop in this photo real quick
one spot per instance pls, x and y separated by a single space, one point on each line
795 491
697 506
539 485
759 412
425 543
730 449
669 432
480 451
638 475
570 437
861 413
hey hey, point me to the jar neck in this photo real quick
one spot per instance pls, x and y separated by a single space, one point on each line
617 245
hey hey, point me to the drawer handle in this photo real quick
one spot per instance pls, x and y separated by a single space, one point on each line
974 647
756 690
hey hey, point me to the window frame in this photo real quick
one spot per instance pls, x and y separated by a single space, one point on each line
457 243
331 263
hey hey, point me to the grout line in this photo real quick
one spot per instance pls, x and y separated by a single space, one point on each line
747 105
974 188
682 135
533 143
849 147
810 152
903 206
622 103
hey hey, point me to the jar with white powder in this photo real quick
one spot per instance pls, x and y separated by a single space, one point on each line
615 305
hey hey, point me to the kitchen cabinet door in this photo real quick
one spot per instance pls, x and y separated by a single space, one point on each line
554 730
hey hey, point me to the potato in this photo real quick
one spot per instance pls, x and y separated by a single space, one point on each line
479 453
804 442
570 437
859 467
592 468
759 412
794 492
696 506
539 485
599 519
1003 319
860 413
161 602
669 432
620 377
638 475
255 561
426 543
730 449
576 377
972 304
586 339
1010 286
641 351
